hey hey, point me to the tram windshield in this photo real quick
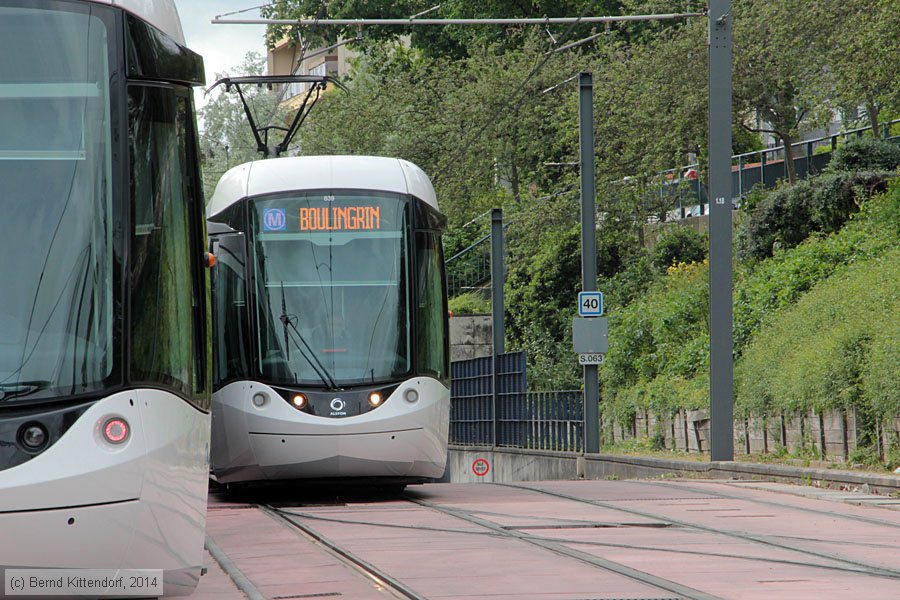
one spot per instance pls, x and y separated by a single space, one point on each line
331 284
56 307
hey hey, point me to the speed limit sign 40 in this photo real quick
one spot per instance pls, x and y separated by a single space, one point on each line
590 304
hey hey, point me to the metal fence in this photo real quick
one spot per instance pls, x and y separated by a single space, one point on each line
543 421
471 395
532 420
469 268
766 167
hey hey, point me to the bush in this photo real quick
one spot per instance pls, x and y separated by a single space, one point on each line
541 289
663 336
822 352
779 281
679 245
788 215
628 284
866 154
469 303
881 373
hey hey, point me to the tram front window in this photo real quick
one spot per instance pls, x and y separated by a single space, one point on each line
331 286
56 234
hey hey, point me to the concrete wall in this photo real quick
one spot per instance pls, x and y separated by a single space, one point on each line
512 464
470 337
699 223
509 465
832 434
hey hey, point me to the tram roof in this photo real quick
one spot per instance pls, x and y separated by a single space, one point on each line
162 14
321 173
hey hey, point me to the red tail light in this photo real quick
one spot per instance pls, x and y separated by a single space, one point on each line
116 430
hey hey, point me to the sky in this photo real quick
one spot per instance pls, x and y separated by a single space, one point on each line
223 47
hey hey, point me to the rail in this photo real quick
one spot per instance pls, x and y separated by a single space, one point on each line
469 268
749 169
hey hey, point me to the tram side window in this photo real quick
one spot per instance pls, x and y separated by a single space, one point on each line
230 311
431 336
162 292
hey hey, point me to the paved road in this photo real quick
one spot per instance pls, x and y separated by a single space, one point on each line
577 540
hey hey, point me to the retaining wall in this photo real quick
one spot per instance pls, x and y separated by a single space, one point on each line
512 464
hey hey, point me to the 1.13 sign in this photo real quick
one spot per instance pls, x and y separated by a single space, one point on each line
590 304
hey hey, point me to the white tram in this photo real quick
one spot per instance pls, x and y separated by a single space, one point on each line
330 322
104 337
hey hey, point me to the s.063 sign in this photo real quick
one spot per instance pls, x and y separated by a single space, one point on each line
591 359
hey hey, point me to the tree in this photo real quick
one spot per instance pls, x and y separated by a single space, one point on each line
861 53
226 139
448 41
776 70
651 103
479 126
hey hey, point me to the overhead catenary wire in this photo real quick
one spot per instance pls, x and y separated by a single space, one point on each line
426 11
246 10
514 101
517 98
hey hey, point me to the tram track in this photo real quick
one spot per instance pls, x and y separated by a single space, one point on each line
582 542
760 502
591 525
772 541
383 581
660 583
488 529
387 581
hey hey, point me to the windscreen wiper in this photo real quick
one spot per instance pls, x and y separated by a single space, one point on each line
308 354
285 320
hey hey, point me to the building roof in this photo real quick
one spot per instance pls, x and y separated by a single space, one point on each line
276 175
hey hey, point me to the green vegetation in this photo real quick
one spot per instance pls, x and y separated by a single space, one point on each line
491 114
866 154
470 303
679 245
765 288
816 329
790 214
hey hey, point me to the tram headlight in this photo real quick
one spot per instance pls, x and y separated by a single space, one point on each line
411 395
375 399
34 436
116 430
299 401
259 400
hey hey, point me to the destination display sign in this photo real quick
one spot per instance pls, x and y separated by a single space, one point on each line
317 214
340 218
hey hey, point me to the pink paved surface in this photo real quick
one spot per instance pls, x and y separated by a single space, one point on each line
215 585
442 556
278 561
454 563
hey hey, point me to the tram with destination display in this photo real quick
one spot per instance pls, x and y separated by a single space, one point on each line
105 355
330 322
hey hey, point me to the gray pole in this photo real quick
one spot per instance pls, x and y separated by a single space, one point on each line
497 306
588 247
721 363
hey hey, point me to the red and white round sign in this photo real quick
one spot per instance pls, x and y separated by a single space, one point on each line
481 467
